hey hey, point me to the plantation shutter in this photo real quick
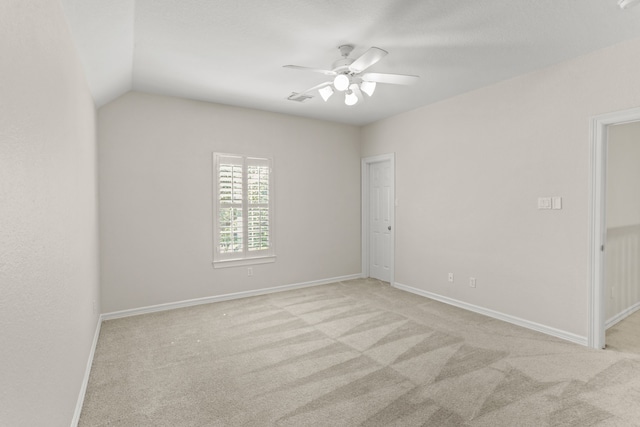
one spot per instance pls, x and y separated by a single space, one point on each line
230 207
258 208
243 207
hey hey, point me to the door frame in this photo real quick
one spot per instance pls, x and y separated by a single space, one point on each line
365 169
597 219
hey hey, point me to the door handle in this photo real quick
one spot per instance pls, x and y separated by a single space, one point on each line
389 228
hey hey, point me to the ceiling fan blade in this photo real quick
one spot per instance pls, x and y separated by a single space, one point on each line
367 59
396 79
315 70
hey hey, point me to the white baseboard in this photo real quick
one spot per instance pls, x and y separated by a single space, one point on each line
87 373
622 315
497 315
225 297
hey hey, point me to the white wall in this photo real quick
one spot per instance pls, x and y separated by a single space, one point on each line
470 170
48 217
622 256
156 202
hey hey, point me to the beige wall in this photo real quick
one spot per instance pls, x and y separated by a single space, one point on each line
469 171
156 203
622 256
48 217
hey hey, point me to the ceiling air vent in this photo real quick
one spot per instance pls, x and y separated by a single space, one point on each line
299 97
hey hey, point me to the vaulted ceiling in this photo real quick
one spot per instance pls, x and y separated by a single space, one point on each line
233 51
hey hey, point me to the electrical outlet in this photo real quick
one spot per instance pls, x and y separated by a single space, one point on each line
472 282
250 271
451 277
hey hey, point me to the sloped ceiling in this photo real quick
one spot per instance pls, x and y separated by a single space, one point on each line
233 51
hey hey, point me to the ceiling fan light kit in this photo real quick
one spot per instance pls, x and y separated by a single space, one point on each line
341 82
350 98
326 92
368 87
346 73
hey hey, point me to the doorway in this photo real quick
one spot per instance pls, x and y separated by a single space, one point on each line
378 217
622 247
599 297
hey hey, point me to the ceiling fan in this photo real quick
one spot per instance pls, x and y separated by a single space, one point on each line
347 76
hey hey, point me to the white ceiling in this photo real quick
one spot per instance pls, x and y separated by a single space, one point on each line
233 51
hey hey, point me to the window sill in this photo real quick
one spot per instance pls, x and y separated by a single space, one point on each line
244 262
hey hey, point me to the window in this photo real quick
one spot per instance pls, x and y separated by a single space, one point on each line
243 210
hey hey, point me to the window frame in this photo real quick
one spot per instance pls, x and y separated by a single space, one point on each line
246 257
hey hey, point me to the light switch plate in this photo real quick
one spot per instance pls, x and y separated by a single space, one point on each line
544 202
556 202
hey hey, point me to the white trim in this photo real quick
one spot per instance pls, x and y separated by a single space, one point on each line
622 315
597 224
87 373
366 163
244 261
225 297
577 339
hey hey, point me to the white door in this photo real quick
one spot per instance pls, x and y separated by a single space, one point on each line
380 220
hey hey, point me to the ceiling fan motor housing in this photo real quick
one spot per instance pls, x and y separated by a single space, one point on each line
342 65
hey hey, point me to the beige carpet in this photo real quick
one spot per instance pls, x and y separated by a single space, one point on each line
625 335
356 353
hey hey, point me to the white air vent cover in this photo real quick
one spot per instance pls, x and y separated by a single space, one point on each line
299 97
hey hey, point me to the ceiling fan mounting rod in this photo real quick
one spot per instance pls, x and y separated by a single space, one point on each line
341 66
